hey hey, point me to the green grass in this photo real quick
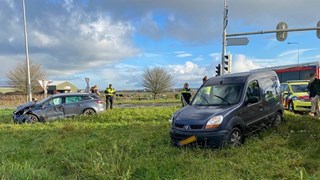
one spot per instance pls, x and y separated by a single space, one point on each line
135 144
157 101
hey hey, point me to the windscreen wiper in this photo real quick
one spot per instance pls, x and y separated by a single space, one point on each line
223 99
205 99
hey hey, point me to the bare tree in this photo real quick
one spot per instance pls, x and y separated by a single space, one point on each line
18 76
157 80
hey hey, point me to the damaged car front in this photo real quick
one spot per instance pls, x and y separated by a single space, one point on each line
23 113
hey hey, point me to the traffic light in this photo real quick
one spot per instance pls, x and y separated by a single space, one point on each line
227 63
218 68
282 36
318 31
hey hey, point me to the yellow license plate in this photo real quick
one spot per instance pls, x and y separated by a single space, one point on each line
187 141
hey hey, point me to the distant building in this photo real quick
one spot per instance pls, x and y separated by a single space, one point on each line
61 87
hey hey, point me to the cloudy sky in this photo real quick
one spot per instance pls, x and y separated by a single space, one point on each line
113 41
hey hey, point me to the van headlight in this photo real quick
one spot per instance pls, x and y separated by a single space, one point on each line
214 122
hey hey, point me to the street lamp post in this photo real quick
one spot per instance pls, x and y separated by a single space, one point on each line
296 43
27 51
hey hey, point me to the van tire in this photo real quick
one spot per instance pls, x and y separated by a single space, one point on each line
236 137
278 119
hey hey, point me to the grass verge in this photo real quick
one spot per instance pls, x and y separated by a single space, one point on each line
135 144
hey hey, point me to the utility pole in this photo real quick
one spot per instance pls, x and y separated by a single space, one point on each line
27 51
224 35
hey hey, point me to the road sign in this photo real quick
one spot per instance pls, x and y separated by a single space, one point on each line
88 86
318 31
282 36
44 85
237 41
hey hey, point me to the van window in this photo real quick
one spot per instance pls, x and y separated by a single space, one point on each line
271 87
253 90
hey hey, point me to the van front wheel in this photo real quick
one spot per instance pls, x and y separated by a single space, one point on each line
277 120
235 137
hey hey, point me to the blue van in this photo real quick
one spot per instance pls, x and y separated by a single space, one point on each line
227 108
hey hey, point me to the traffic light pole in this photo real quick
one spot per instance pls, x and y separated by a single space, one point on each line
224 36
273 31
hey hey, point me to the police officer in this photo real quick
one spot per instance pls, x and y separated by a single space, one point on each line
185 94
109 96
313 90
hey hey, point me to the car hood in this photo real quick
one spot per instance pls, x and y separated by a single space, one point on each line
26 105
198 114
303 95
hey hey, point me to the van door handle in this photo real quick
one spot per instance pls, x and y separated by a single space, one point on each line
261 108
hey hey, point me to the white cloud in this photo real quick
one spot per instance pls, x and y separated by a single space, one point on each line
182 54
216 56
68 5
42 40
295 51
242 64
188 72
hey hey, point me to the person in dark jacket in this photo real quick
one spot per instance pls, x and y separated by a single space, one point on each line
314 94
185 94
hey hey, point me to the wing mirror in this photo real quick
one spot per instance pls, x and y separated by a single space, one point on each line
285 92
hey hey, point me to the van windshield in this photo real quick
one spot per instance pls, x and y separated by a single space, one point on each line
215 95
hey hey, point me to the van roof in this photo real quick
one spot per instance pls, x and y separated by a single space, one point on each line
239 77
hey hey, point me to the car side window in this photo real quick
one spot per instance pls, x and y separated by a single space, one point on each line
73 99
253 90
54 101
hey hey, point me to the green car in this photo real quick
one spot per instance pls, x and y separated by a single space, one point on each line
295 96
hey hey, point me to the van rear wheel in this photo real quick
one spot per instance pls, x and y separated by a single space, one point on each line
236 137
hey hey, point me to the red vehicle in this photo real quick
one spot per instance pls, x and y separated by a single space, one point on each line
296 71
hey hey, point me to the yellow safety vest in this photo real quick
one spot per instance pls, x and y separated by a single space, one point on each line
110 91
184 90
207 90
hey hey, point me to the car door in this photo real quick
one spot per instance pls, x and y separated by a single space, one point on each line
73 106
285 94
252 113
53 108
271 94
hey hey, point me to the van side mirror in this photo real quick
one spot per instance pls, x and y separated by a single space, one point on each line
285 93
252 100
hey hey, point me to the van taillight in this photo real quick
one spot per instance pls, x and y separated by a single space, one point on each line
99 102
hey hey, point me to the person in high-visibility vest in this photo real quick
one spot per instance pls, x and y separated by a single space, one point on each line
109 96
185 94
207 90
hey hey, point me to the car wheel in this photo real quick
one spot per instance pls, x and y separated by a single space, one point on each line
236 137
277 120
291 107
30 118
89 112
